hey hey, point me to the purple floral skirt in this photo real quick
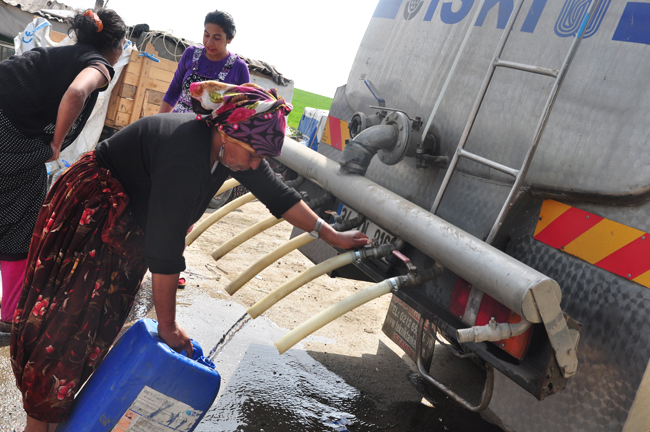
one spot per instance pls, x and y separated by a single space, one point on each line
85 265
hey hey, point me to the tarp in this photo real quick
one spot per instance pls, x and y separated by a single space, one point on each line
312 125
37 34
14 16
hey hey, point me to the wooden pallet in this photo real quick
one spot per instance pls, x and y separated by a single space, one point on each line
140 89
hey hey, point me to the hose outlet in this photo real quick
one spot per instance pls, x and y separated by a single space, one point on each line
492 332
359 152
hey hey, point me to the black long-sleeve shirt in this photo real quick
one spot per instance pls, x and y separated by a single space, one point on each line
163 162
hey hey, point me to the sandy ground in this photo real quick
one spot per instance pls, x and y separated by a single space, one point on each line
349 338
352 347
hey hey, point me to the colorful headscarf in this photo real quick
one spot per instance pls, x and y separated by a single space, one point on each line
247 113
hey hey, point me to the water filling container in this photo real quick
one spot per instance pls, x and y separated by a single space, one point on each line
144 385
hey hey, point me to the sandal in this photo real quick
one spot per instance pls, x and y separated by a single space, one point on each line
181 283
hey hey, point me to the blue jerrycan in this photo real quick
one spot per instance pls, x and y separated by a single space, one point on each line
144 385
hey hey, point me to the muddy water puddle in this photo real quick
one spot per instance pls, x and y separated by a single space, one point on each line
267 392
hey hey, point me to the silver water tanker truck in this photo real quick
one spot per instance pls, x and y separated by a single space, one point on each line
502 142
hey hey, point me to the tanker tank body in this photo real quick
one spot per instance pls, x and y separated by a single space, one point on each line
580 217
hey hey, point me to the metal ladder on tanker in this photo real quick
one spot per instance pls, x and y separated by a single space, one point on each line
518 174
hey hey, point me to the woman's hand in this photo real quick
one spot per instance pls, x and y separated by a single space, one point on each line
164 298
56 150
176 337
301 216
345 240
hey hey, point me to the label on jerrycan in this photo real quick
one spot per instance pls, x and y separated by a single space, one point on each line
153 411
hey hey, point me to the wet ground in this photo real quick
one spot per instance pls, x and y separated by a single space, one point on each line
306 389
297 391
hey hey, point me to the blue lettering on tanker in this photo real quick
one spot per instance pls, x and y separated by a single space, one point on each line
571 17
534 14
505 9
432 8
448 16
387 9
634 25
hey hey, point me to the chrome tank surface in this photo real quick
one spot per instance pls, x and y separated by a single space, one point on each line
594 140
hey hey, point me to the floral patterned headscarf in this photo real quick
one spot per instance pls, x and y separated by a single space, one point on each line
247 113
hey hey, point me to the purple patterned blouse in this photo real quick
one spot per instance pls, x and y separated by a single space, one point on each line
207 68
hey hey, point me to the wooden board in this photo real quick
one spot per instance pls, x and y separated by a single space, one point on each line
57 37
141 88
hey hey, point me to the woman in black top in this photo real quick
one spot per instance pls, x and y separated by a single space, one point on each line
46 96
126 207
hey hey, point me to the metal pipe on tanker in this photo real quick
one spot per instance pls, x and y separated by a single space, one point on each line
507 280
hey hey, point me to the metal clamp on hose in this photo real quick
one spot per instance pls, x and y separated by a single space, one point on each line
316 231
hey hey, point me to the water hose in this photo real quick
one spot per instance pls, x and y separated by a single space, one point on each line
228 184
214 217
244 236
492 331
333 312
352 302
318 270
262 226
267 260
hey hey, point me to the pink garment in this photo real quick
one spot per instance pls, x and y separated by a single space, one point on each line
13 273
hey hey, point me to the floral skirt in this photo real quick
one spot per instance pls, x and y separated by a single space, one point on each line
85 265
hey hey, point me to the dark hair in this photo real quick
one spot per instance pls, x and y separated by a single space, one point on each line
85 29
223 20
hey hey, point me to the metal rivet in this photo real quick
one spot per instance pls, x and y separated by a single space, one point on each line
587 216
642 237
629 275
562 247
503 345
460 316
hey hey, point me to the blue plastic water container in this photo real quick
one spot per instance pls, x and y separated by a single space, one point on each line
143 384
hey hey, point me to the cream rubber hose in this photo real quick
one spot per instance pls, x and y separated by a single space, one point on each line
335 311
267 260
214 217
245 235
307 276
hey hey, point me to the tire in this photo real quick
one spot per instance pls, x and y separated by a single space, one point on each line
219 200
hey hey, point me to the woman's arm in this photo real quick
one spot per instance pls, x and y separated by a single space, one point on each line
165 108
164 297
176 85
72 104
301 216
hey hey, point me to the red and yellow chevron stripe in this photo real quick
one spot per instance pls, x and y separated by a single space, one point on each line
335 133
609 245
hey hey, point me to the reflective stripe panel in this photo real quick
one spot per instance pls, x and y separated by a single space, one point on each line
605 238
551 210
335 133
567 227
609 245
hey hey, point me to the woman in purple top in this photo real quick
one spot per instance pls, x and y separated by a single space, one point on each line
213 61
